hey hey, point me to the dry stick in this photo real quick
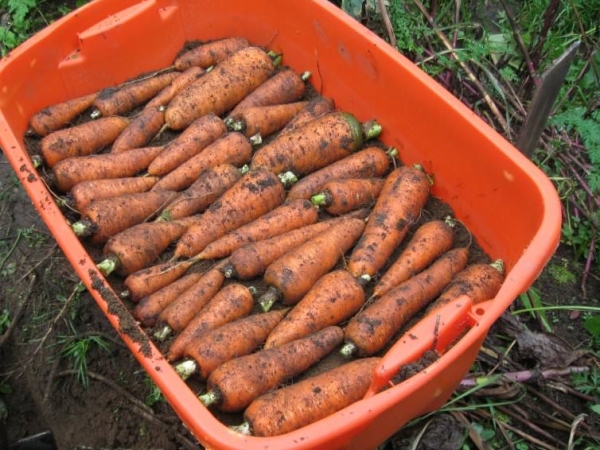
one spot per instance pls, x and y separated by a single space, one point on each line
526 422
473 434
387 22
580 418
549 16
528 375
17 314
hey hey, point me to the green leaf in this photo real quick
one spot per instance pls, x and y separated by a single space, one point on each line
595 408
592 324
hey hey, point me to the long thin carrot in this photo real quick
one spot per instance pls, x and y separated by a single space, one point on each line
317 107
373 327
263 120
292 275
429 242
69 172
340 196
140 131
232 340
210 53
267 369
60 115
232 302
85 192
163 97
399 205
151 279
335 297
81 140
297 405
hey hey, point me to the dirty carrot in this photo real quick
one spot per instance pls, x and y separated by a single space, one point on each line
373 327
335 297
429 241
140 131
263 120
85 192
210 53
149 280
315 144
69 172
168 92
292 407
60 115
199 134
220 89
316 107
405 192
340 196
266 369
81 140
232 302
232 340
292 275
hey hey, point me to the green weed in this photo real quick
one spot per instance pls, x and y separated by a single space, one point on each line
561 274
154 393
77 350
4 321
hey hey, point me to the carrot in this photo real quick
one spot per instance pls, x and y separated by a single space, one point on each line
405 192
234 339
149 308
171 90
232 302
128 96
366 163
71 171
202 132
220 89
335 297
316 107
256 193
149 280
102 219
347 194
263 120
429 242
292 275
57 116
81 140
297 405
252 260
372 328
315 144
85 192
286 86
230 148
236 383
210 53
140 131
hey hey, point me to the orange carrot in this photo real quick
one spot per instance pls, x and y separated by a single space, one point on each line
60 115
232 302
71 171
232 340
292 275
149 280
315 144
263 120
335 297
85 192
220 89
81 140
372 328
297 405
192 141
267 369
317 107
405 192
210 53
340 196
168 92
140 131
429 242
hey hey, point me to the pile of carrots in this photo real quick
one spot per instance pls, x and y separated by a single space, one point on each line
270 231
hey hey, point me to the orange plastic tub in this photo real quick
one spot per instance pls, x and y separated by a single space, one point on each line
508 204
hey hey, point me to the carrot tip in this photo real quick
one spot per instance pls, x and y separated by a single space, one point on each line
162 334
287 178
255 140
209 398
319 199
305 75
364 279
348 350
243 428
83 228
186 369
228 271
95 114
37 162
108 266
268 299
372 129
498 265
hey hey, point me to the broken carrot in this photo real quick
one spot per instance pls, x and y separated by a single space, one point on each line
210 53
263 120
340 196
163 97
85 192
140 131
317 107
60 115
149 280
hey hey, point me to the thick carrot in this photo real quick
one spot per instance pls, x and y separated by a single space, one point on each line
297 405
372 328
81 140
85 192
210 53
335 297
168 92
199 134
149 280
71 171
256 193
149 308
285 86
405 192
340 196
266 369
263 120
428 243
292 275
317 107
128 96
232 340
230 148
220 89
60 115
366 163
102 219
315 144
232 302
140 131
